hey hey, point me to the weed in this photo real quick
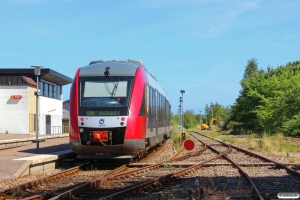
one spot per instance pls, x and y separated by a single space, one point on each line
260 143
168 167
291 160
229 139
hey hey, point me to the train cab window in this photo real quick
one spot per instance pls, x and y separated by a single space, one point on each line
103 97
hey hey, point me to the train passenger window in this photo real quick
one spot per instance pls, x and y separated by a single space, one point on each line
143 106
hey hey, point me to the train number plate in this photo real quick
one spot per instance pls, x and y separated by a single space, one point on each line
100 136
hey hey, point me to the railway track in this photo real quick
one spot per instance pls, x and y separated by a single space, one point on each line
268 178
134 180
47 187
223 171
56 184
229 176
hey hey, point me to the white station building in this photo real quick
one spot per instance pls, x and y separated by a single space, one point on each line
18 101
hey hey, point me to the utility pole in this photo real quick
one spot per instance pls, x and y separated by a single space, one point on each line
182 132
37 72
212 116
200 118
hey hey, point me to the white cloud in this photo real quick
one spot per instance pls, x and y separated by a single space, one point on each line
6 54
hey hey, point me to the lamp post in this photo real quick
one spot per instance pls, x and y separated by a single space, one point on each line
212 116
179 117
180 106
37 72
182 92
206 111
200 119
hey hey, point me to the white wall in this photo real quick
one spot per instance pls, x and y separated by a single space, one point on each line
14 112
49 106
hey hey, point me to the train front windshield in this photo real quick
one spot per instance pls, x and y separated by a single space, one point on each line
104 96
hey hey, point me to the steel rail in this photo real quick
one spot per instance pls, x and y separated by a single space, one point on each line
256 155
191 154
48 195
45 179
168 176
234 163
105 180
242 171
102 181
161 179
34 183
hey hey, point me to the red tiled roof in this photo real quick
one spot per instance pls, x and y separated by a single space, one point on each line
30 81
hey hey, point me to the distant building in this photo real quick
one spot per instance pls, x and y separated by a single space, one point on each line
18 100
66 115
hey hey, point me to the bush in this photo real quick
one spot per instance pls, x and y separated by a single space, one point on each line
292 127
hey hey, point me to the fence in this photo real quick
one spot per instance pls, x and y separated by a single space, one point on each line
57 129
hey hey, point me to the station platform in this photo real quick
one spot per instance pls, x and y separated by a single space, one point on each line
20 156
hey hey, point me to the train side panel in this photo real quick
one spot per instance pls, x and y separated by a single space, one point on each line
136 125
73 123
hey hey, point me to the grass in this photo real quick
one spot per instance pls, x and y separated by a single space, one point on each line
176 137
170 167
276 145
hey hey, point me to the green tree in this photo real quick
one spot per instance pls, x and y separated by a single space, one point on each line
174 119
251 68
216 110
190 120
269 101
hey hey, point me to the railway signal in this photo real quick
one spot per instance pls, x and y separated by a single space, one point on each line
189 145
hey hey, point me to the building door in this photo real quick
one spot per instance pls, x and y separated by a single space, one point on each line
48 124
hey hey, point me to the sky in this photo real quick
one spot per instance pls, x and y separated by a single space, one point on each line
200 46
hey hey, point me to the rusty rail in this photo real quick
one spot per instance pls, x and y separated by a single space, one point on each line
258 195
161 179
192 154
34 183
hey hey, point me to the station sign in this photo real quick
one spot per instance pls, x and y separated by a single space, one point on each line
16 96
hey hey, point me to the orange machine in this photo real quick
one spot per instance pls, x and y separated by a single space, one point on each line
205 126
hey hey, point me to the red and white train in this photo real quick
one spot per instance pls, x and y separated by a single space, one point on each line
117 110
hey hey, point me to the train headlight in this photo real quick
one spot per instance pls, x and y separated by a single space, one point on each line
81 130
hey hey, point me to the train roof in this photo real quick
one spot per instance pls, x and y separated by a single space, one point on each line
130 61
119 68
115 67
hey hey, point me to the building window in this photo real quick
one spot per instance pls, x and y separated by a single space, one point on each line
45 90
50 90
58 91
41 88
